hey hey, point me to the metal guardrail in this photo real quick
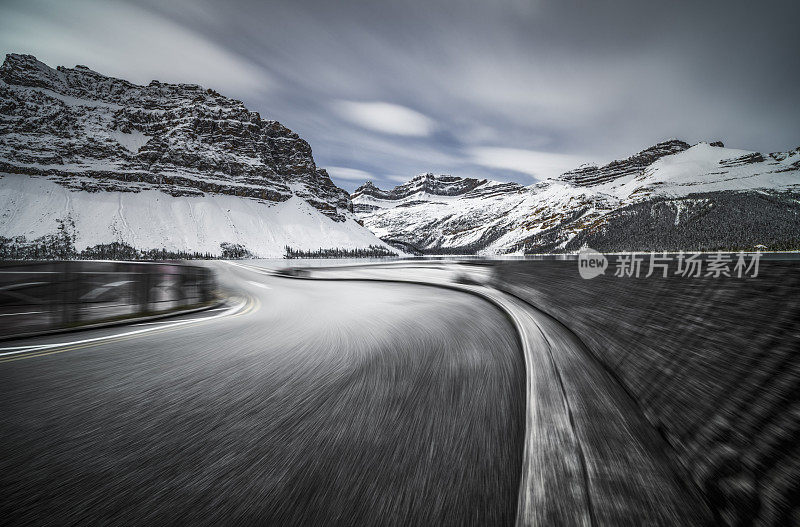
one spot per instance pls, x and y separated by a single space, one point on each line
44 296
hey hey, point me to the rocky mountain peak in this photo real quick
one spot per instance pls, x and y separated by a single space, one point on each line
25 70
591 175
89 131
428 183
700 197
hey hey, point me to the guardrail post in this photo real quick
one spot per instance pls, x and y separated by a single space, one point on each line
144 290
69 286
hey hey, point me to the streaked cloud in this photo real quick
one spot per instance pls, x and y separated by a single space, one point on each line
507 90
539 165
386 118
126 41
399 179
350 174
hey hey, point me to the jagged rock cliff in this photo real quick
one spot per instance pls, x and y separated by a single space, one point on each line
590 175
87 132
427 183
426 188
180 137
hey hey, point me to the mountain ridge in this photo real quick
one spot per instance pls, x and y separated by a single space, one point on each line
86 132
188 130
591 175
587 206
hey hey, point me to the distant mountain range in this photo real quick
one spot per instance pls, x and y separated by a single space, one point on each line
671 196
88 160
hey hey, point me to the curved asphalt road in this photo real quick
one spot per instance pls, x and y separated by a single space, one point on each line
319 403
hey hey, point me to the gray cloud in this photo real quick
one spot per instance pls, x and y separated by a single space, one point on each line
126 41
386 118
548 81
352 174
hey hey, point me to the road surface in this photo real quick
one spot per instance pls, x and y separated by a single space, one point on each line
303 403
590 457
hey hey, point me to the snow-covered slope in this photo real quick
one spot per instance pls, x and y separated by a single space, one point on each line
434 212
705 168
163 166
495 218
153 219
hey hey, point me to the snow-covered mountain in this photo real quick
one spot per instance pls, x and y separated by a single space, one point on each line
672 196
170 166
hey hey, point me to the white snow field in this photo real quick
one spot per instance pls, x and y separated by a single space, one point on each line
150 219
699 169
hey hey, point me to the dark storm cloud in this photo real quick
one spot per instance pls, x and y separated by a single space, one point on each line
504 89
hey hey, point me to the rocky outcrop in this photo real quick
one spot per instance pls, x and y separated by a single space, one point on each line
92 132
746 159
590 175
430 184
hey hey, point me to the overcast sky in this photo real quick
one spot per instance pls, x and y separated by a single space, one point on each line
506 89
